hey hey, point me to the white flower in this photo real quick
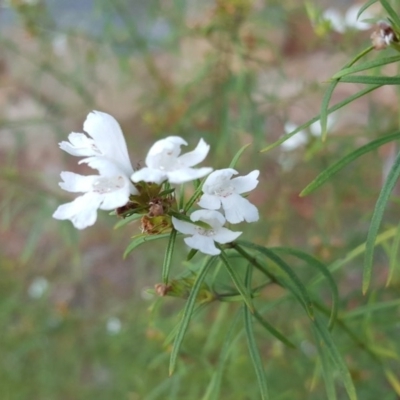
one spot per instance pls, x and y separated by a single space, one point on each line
203 239
297 140
221 190
38 287
105 140
336 19
109 155
315 127
164 162
301 138
113 325
340 23
352 21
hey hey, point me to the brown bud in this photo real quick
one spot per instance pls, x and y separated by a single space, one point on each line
162 289
156 209
383 36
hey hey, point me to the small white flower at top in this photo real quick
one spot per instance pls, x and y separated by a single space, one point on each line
221 190
297 140
342 22
164 162
301 138
203 239
108 154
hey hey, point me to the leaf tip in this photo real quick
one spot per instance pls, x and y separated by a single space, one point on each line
303 193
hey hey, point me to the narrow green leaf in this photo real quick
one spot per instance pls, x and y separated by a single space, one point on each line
394 252
237 281
313 262
172 334
311 121
369 308
371 80
127 220
376 221
328 94
365 6
294 284
168 256
213 389
251 342
338 165
186 218
181 197
323 333
191 254
393 380
392 13
166 192
235 159
187 313
195 196
365 66
328 371
140 239
273 331
325 108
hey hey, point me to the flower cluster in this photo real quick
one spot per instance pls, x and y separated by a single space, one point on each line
220 190
117 186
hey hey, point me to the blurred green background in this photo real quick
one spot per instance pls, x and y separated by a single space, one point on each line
77 321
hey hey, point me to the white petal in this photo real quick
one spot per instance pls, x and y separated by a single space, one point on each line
110 169
218 180
336 19
289 127
187 174
225 235
352 21
164 153
149 175
244 184
77 183
82 211
116 198
195 156
295 141
209 201
202 243
108 137
315 127
79 145
184 227
105 166
237 209
211 217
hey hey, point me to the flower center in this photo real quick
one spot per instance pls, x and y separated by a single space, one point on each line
224 191
205 232
107 185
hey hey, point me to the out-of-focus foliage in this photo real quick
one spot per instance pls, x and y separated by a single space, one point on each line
77 321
